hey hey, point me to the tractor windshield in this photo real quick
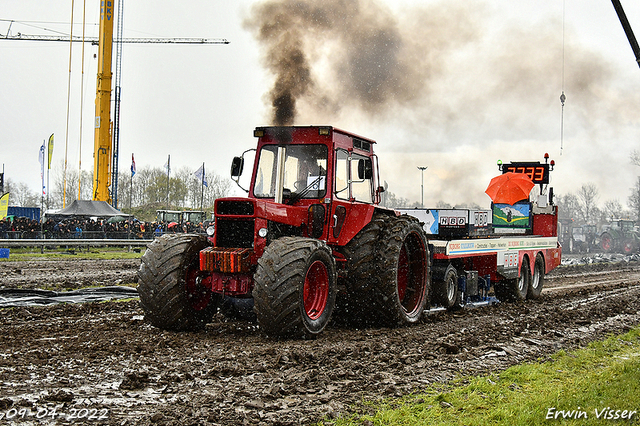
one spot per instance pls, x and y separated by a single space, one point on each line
305 171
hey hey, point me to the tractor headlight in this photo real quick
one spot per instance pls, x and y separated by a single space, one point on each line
211 230
262 232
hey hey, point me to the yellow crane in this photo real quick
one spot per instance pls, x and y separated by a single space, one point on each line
102 145
106 146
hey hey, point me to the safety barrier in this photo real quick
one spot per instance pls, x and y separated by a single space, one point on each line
76 242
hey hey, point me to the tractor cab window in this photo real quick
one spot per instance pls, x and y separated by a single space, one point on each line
305 171
347 172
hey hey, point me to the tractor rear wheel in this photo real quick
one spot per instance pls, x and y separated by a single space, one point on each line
516 289
170 295
295 287
363 269
606 242
537 278
403 275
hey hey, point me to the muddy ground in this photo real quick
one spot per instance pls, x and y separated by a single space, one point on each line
101 363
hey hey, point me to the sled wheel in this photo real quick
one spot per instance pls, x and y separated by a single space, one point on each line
403 280
537 278
512 290
170 295
446 290
295 287
606 242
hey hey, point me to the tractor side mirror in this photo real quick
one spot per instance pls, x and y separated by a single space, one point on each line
365 169
236 166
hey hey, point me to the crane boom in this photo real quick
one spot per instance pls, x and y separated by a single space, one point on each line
627 29
102 142
96 41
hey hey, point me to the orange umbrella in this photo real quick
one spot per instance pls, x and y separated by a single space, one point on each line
509 188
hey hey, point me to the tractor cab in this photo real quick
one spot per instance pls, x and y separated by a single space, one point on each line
313 180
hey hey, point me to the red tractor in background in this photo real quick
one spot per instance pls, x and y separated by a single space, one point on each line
310 228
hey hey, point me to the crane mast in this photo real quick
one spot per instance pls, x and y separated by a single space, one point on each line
102 151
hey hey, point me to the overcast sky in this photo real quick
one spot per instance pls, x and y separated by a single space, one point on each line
473 82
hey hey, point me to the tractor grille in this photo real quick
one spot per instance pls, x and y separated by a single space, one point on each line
233 207
230 261
233 233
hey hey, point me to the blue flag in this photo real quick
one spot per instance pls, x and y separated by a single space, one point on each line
199 174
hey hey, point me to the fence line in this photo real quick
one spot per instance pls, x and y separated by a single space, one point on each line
76 242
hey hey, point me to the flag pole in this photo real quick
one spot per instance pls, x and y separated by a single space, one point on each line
42 195
49 155
168 173
202 187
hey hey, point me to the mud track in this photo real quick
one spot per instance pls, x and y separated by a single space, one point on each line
101 360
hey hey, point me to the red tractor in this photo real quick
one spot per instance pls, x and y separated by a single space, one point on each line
309 238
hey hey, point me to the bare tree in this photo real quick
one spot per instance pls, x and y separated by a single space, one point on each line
84 179
634 199
587 201
568 206
392 200
635 157
612 209
21 194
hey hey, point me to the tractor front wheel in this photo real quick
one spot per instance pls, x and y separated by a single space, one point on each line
170 294
295 287
628 246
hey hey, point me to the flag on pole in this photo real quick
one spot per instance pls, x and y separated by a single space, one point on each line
41 159
4 205
167 165
133 165
199 174
50 151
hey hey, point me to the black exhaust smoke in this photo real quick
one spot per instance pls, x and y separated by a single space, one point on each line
355 53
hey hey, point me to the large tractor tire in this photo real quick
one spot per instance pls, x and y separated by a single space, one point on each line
363 267
295 288
606 242
402 284
170 295
513 290
445 289
537 278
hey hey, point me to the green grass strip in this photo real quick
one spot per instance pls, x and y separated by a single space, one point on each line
104 253
596 385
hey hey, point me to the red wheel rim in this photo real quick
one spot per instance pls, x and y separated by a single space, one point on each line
411 276
403 273
316 290
606 242
198 296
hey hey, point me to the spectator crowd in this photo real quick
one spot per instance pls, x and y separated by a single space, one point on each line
26 228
